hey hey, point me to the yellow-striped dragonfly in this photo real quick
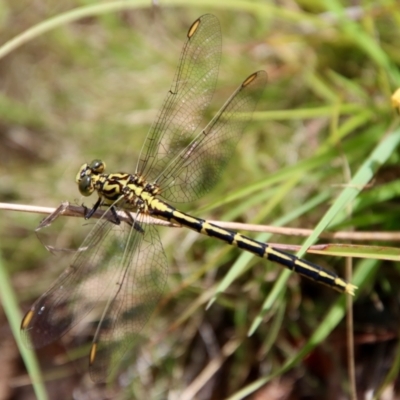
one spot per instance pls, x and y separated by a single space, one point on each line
122 269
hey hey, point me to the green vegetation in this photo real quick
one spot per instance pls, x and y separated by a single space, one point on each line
84 80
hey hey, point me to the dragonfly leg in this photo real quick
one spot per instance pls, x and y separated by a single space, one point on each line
133 221
89 213
114 216
116 220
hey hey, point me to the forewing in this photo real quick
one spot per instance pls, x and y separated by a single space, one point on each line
139 284
80 287
198 167
190 93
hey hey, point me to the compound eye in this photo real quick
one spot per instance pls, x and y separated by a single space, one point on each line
97 166
85 186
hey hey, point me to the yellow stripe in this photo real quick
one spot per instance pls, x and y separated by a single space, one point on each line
270 250
239 238
206 226
191 220
311 268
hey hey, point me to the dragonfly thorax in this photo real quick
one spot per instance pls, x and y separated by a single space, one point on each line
132 189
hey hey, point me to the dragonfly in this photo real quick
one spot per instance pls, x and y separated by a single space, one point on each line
121 270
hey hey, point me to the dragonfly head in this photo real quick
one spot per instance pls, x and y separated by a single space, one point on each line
88 175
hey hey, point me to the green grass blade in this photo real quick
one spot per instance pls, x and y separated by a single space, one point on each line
360 251
10 305
361 178
65 18
240 265
366 269
365 173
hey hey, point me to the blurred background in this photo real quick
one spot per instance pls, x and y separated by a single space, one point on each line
90 87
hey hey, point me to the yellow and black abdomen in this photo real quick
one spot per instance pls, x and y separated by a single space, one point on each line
263 250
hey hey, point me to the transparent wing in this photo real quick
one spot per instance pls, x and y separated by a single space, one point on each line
88 282
190 93
76 292
197 168
140 283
